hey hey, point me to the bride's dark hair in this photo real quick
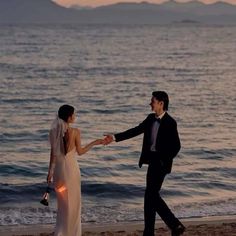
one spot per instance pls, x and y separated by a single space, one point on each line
65 112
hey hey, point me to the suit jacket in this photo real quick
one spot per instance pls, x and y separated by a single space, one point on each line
167 142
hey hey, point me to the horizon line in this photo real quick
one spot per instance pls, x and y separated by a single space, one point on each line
142 1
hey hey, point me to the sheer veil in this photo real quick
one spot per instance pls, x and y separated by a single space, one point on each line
56 134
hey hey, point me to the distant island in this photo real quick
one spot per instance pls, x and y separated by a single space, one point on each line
187 21
48 12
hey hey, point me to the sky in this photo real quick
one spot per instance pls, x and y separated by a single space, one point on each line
95 3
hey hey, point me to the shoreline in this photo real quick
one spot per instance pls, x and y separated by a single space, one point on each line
214 225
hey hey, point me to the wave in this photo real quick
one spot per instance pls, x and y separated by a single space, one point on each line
31 100
205 153
24 171
24 215
110 212
40 135
33 192
21 193
112 190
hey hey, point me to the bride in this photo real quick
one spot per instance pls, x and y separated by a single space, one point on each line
64 171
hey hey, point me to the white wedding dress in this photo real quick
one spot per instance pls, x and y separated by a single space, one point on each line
66 179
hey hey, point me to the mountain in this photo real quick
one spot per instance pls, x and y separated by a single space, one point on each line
173 11
187 5
193 7
35 11
129 6
48 12
218 8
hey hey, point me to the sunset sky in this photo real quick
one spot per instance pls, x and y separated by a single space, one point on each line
105 2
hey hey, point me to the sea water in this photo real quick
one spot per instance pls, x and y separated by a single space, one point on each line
109 73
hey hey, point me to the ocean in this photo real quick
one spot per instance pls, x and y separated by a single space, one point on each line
108 74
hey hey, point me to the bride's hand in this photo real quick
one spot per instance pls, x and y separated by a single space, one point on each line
49 178
99 142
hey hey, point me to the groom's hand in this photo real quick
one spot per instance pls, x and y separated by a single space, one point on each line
108 139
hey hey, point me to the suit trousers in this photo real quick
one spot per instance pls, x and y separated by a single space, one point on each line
153 203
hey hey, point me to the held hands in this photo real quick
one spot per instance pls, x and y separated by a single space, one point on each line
108 139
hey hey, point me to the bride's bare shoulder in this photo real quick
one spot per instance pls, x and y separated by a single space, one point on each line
75 131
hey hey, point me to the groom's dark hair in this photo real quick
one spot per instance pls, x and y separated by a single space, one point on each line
162 96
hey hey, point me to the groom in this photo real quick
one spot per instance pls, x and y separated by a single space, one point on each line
160 145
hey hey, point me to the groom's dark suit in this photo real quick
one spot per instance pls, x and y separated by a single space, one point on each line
160 163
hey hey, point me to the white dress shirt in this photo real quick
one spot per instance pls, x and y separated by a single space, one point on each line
155 128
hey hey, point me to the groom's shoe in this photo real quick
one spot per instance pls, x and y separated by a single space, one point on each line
178 230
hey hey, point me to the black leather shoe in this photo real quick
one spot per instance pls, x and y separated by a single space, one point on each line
178 230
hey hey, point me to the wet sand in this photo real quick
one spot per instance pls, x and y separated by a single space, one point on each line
207 226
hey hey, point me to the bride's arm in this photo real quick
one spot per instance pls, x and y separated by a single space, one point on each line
81 150
52 162
51 167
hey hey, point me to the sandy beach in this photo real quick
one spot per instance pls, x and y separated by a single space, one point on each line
207 226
